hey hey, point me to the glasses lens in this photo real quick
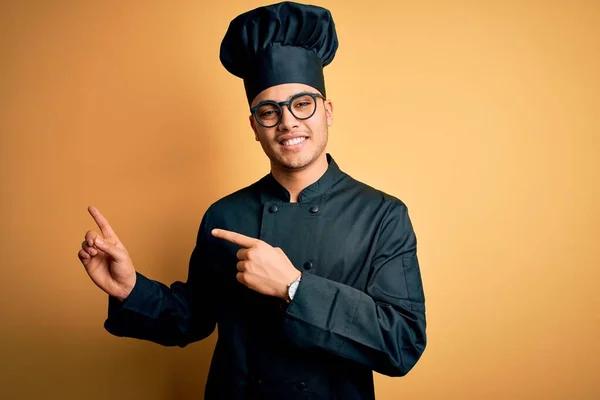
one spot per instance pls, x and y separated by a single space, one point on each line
303 107
268 115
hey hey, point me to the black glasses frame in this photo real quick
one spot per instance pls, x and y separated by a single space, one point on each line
288 104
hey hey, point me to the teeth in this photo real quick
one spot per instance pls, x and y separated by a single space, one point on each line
294 141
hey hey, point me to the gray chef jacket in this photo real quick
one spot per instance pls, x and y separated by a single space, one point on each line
359 307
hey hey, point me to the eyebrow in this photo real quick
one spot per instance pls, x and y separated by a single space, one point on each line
288 99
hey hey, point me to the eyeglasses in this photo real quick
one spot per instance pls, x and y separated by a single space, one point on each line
302 106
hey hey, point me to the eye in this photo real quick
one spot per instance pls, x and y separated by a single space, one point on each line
303 102
268 112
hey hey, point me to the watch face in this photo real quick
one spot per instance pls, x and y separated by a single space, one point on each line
292 289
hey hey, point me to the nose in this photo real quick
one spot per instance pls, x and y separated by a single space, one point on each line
288 121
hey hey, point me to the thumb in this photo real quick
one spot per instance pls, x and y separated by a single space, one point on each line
116 253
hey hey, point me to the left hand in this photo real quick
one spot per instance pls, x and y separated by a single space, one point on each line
262 267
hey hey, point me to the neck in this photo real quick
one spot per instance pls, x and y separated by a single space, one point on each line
295 180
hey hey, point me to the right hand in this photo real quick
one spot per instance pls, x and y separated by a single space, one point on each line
106 260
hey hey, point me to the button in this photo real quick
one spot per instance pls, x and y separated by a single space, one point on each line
256 381
301 386
314 209
308 265
273 209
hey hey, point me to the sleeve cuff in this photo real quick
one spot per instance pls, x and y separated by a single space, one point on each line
321 305
136 299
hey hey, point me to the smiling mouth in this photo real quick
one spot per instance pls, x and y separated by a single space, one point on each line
294 141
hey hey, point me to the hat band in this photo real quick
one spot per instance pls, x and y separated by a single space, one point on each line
284 64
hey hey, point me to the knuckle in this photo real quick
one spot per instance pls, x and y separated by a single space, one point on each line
241 278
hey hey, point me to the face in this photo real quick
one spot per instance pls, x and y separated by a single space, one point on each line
293 144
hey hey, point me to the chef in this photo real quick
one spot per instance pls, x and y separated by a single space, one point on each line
311 276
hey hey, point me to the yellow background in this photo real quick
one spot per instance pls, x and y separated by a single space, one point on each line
483 116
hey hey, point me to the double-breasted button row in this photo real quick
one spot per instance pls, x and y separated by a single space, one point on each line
313 209
300 386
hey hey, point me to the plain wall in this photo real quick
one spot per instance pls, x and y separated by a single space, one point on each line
483 117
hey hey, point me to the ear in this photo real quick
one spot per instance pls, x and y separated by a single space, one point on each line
329 111
253 126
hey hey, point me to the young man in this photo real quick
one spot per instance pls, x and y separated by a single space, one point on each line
311 275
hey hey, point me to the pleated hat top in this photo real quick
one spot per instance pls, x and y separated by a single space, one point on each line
281 43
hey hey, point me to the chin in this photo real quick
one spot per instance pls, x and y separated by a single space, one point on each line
294 164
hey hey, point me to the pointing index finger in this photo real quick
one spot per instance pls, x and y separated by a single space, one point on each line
102 223
235 238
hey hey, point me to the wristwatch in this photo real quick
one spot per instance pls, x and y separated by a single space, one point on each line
292 287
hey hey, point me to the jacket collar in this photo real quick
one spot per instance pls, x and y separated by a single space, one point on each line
271 190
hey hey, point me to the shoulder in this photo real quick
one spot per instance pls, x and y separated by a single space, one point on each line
387 213
367 196
234 206
244 196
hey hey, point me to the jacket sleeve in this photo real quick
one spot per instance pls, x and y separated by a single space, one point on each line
171 316
382 327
